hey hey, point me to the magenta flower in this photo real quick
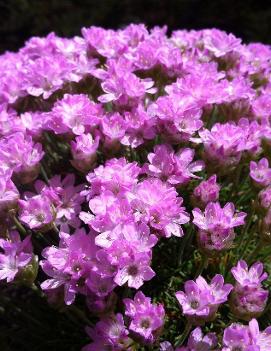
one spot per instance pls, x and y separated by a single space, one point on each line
117 176
34 123
247 338
69 265
175 168
261 340
140 126
207 191
104 42
113 127
158 205
15 255
161 162
108 334
248 299
200 88
261 106
201 300
145 318
67 200
137 235
9 121
223 144
125 85
74 114
199 342
237 336
134 270
19 154
44 76
36 212
100 285
185 168
260 172
216 225
140 115
9 194
265 197
220 43
84 152
249 277
179 119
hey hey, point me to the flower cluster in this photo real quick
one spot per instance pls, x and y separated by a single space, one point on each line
248 298
128 156
207 191
16 258
260 172
201 300
146 321
176 169
242 337
197 342
216 225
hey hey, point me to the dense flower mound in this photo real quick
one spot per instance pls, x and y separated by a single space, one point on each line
135 187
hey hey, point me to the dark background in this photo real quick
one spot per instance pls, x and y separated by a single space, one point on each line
21 19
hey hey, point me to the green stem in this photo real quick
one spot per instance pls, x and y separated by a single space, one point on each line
203 265
19 226
44 174
267 308
80 314
186 239
184 335
257 248
243 237
237 177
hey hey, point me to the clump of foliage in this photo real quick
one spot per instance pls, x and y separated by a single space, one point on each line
135 207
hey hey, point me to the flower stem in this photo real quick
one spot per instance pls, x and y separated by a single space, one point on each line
257 248
184 335
203 265
245 230
80 314
186 239
44 174
19 226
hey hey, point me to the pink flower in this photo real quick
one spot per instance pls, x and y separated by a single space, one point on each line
201 300
74 113
20 154
207 191
145 318
216 225
9 194
84 151
134 270
248 299
157 204
117 175
15 255
220 43
108 333
260 172
223 144
69 265
175 168
36 212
